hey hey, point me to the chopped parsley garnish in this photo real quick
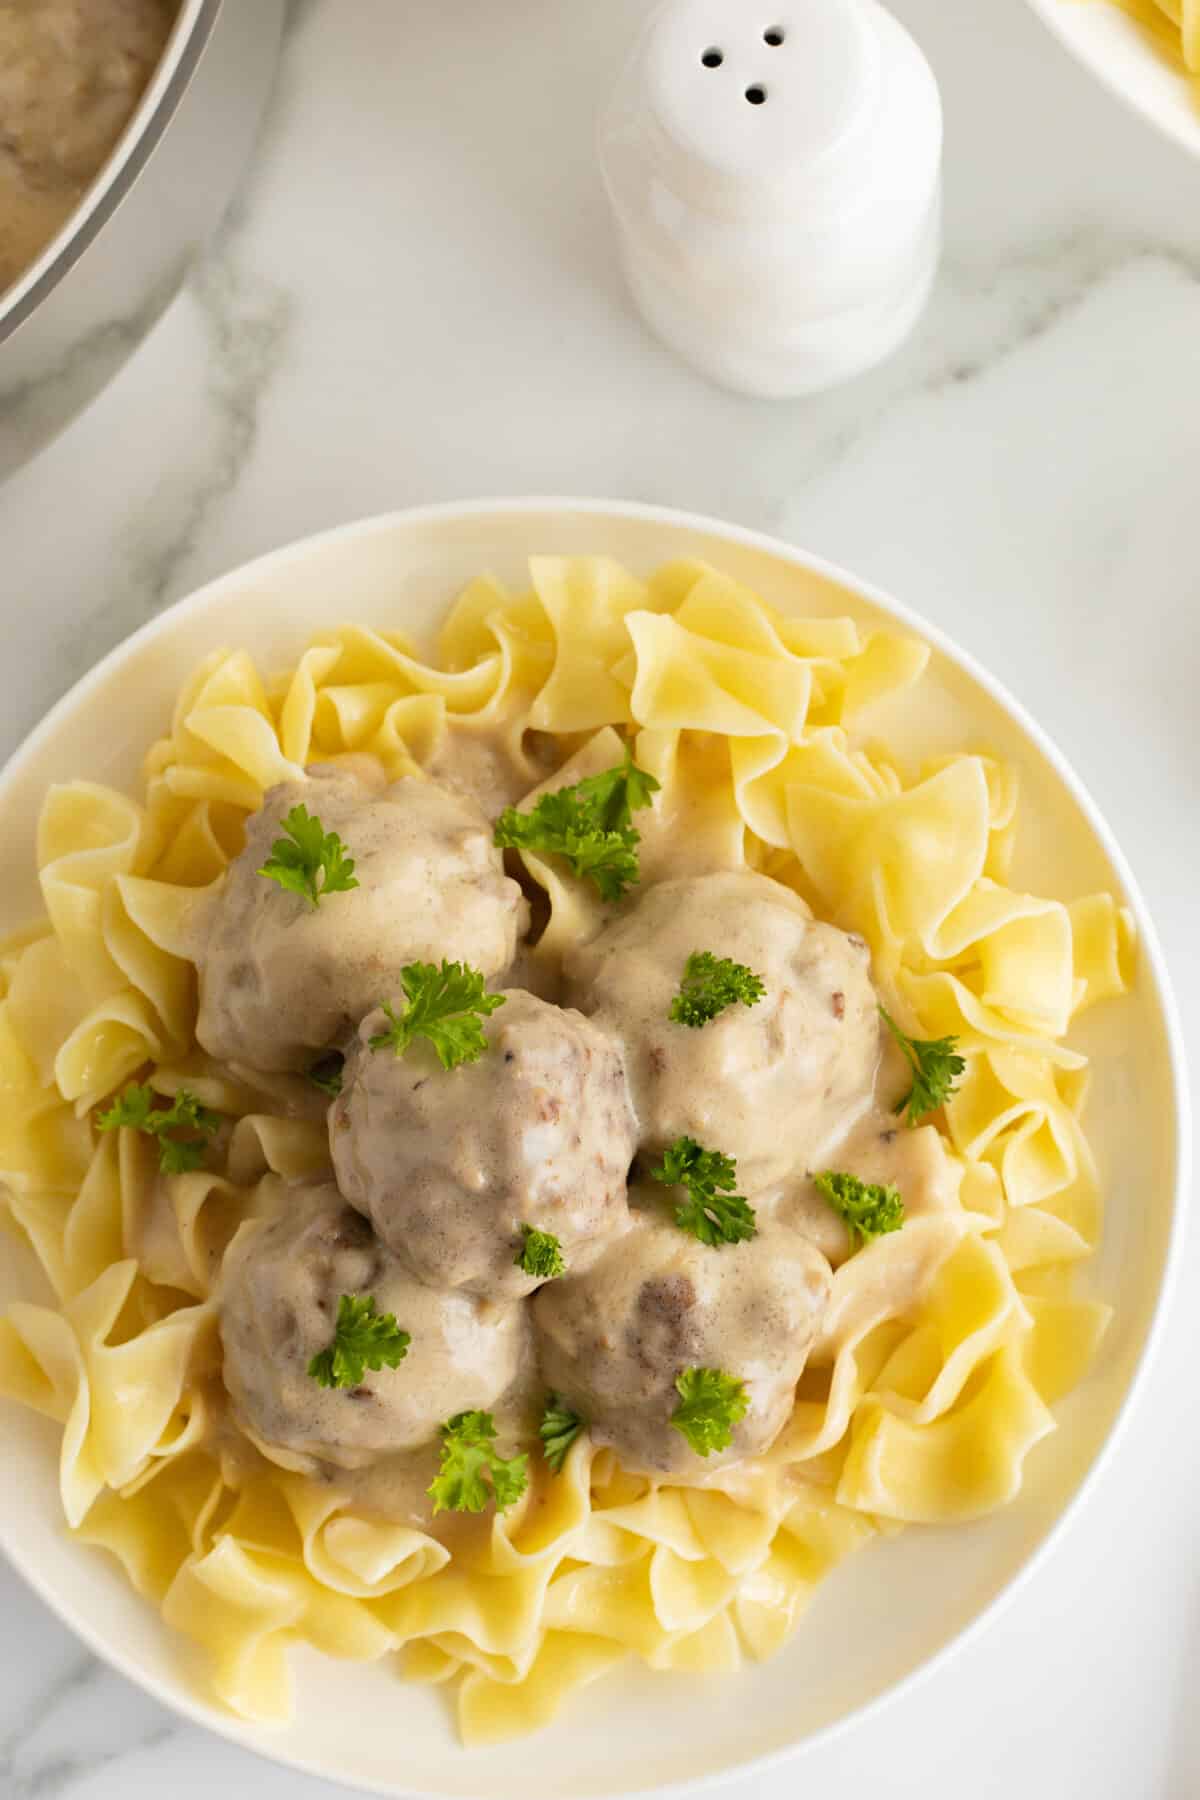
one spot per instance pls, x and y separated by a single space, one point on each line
710 1405
869 1210
540 1254
616 794
468 1455
364 1338
935 1067
444 1005
326 1073
589 824
710 984
309 861
558 1430
712 1211
176 1156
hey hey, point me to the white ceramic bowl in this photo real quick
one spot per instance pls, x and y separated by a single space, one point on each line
1125 58
902 1605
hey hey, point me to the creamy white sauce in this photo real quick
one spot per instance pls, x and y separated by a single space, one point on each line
493 769
396 1487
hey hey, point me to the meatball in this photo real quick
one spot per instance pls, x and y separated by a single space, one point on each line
614 1339
281 979
768 1084
281 1284
450 1164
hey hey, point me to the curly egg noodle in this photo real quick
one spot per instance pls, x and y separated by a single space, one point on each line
944 1344
1173 24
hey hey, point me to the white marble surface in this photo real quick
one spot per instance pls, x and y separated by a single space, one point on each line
417 300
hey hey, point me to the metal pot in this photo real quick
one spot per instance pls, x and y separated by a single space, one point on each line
71 320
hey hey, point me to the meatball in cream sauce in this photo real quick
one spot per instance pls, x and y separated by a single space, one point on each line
613 1340
451 1164
281 980
442 1174
282 1282
770 1084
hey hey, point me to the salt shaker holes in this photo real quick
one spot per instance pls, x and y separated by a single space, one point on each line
799 148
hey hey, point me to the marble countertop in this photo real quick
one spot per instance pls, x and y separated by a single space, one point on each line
416 299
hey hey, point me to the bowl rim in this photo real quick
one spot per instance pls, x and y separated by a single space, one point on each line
144 130
1152 966
1054 14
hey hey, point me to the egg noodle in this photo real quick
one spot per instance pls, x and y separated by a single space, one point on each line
1174 26
945 1344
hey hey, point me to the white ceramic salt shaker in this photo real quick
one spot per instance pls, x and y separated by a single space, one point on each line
775 171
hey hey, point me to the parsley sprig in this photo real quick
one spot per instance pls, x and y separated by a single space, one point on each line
935 1067
540 1254
468 1456
589 824
710 1405
326 1073
559 1428
363 1338
309 860
444 1005
712 1211
869 1210
710 984
176 1156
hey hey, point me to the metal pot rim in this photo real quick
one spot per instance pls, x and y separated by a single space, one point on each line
127 159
